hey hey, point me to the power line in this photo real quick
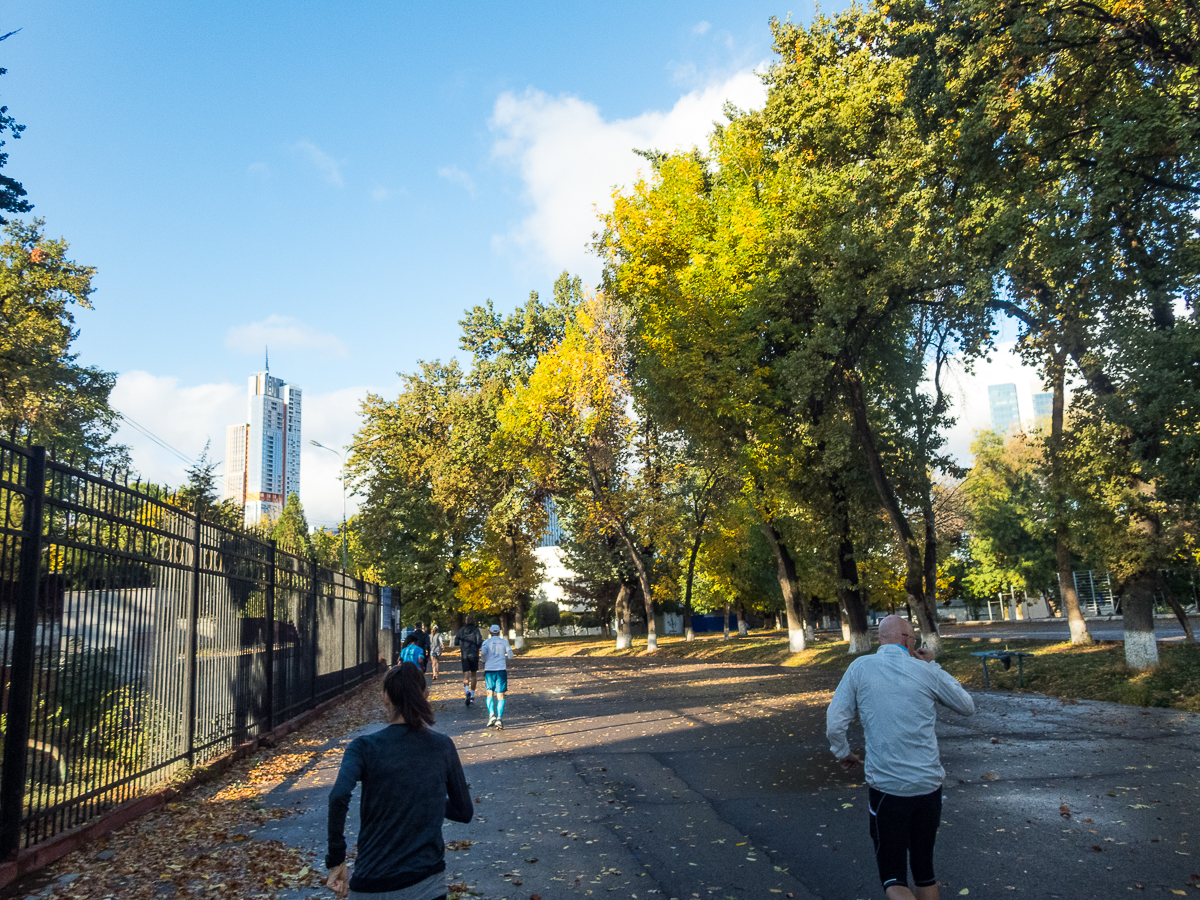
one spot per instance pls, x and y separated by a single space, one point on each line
152 436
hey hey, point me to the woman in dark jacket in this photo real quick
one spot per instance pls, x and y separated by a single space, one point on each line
412 780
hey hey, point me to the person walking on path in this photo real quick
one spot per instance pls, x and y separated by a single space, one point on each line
435 649
468 640
895 691
411 780
413 653
495 655
423 640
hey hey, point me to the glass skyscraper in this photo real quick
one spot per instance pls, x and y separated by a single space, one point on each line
1043 409
1002 398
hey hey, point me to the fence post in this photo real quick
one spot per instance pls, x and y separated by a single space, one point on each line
269 662
21 677
341 583
314 591
190 671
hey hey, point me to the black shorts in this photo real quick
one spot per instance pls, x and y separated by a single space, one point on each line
470 663
903 830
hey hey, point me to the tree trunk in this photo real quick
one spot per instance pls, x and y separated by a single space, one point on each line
519 624
624 637
741 617
786 572
1137 618
849 596
931 639
1062 526
914 575
635 557
504 625
726 620
688 633
1177 608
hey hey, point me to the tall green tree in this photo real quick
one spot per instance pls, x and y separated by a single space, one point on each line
12 194
1069 130
291 529
46 396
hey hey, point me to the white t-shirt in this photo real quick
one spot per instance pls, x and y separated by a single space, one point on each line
495 654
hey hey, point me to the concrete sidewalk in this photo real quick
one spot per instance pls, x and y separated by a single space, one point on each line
657 780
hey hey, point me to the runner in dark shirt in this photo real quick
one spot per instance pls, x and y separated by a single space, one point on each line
411 779
423 639
469 640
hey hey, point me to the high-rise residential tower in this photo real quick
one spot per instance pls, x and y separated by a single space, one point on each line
262 457
1003 400
1043 409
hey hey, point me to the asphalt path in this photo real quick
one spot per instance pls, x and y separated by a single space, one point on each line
1058 630
672 780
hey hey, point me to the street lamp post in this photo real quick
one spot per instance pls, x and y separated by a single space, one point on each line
342 455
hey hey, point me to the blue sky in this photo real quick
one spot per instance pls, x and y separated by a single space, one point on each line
339 181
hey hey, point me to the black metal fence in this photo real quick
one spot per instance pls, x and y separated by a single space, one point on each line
138 639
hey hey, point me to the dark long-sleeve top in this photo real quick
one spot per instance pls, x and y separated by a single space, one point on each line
411 782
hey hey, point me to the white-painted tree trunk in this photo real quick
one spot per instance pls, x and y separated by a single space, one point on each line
651 642
519 642
846 633
689 635
797 640
624 640
1141 650
859 643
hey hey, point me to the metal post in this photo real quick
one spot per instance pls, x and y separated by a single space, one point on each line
20 687
193 624
269 661
312 618
341 585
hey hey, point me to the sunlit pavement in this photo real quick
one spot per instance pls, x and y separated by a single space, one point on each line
659 780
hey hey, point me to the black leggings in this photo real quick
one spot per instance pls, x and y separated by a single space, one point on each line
904 829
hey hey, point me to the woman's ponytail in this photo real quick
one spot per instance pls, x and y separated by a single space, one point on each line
405 688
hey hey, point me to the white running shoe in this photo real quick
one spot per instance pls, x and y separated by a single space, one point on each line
499 725
492 720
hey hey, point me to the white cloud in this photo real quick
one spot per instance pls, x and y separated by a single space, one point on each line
282 332
329 167
259 170
458 176
570 158
701 28
183 417
187 416
379 194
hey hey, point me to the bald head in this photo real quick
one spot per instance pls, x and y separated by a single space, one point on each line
895 630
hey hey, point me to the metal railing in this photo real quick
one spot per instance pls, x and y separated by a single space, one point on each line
138 639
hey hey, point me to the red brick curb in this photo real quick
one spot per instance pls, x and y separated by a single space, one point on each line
34 858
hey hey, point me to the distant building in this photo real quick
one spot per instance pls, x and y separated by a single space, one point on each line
1043 409
1002 398
262 457
552 536
549 551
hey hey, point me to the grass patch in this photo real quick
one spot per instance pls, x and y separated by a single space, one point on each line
1094 672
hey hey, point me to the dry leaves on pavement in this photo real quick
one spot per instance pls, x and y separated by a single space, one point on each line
203 846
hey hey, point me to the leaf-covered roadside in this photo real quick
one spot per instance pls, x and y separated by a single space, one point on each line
203 844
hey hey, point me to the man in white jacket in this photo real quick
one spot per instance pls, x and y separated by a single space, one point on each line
895 692
495 654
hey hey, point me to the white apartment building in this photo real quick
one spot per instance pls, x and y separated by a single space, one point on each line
262 457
